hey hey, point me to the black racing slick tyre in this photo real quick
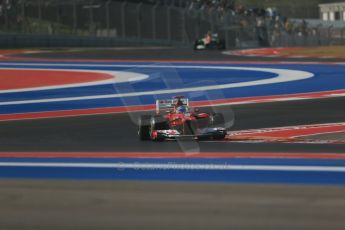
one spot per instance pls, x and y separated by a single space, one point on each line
203 122
217 121
198 43
158 122
219 137
144 128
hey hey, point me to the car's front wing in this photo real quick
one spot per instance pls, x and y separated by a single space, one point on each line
198 134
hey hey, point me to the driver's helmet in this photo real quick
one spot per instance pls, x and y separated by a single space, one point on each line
181 109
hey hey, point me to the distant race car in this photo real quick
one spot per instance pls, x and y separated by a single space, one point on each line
174 118
216 43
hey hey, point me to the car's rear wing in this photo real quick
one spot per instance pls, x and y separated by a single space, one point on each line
168 104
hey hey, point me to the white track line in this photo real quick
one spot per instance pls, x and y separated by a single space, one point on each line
152 166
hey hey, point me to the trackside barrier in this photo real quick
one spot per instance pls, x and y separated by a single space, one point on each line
153 22
33 40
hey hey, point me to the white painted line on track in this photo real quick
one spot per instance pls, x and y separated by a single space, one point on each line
152 166
337 94
290 99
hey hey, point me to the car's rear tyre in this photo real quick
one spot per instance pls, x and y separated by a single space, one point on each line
219 137
198 45
144 128
203 122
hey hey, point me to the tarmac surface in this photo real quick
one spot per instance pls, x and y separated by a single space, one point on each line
158 53
61 204
117 132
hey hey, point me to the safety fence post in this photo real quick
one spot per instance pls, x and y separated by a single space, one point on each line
138 10
91 20
197 28
107 16
329 30
318 35
39 5
5 14
211 16
23 16
58 16
184 26
75 16
123 19
154 26
169 23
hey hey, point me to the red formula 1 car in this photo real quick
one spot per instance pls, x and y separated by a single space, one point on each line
174 118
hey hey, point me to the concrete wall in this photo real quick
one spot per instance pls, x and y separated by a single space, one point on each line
34 40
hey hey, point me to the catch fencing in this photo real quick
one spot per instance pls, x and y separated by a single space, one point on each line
159 23
105 19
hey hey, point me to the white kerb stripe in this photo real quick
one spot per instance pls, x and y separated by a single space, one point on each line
153 166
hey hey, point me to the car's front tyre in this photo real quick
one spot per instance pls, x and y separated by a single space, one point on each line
157 122
144 128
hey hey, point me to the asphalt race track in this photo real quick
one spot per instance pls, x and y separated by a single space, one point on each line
102 132
157 53
300 196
